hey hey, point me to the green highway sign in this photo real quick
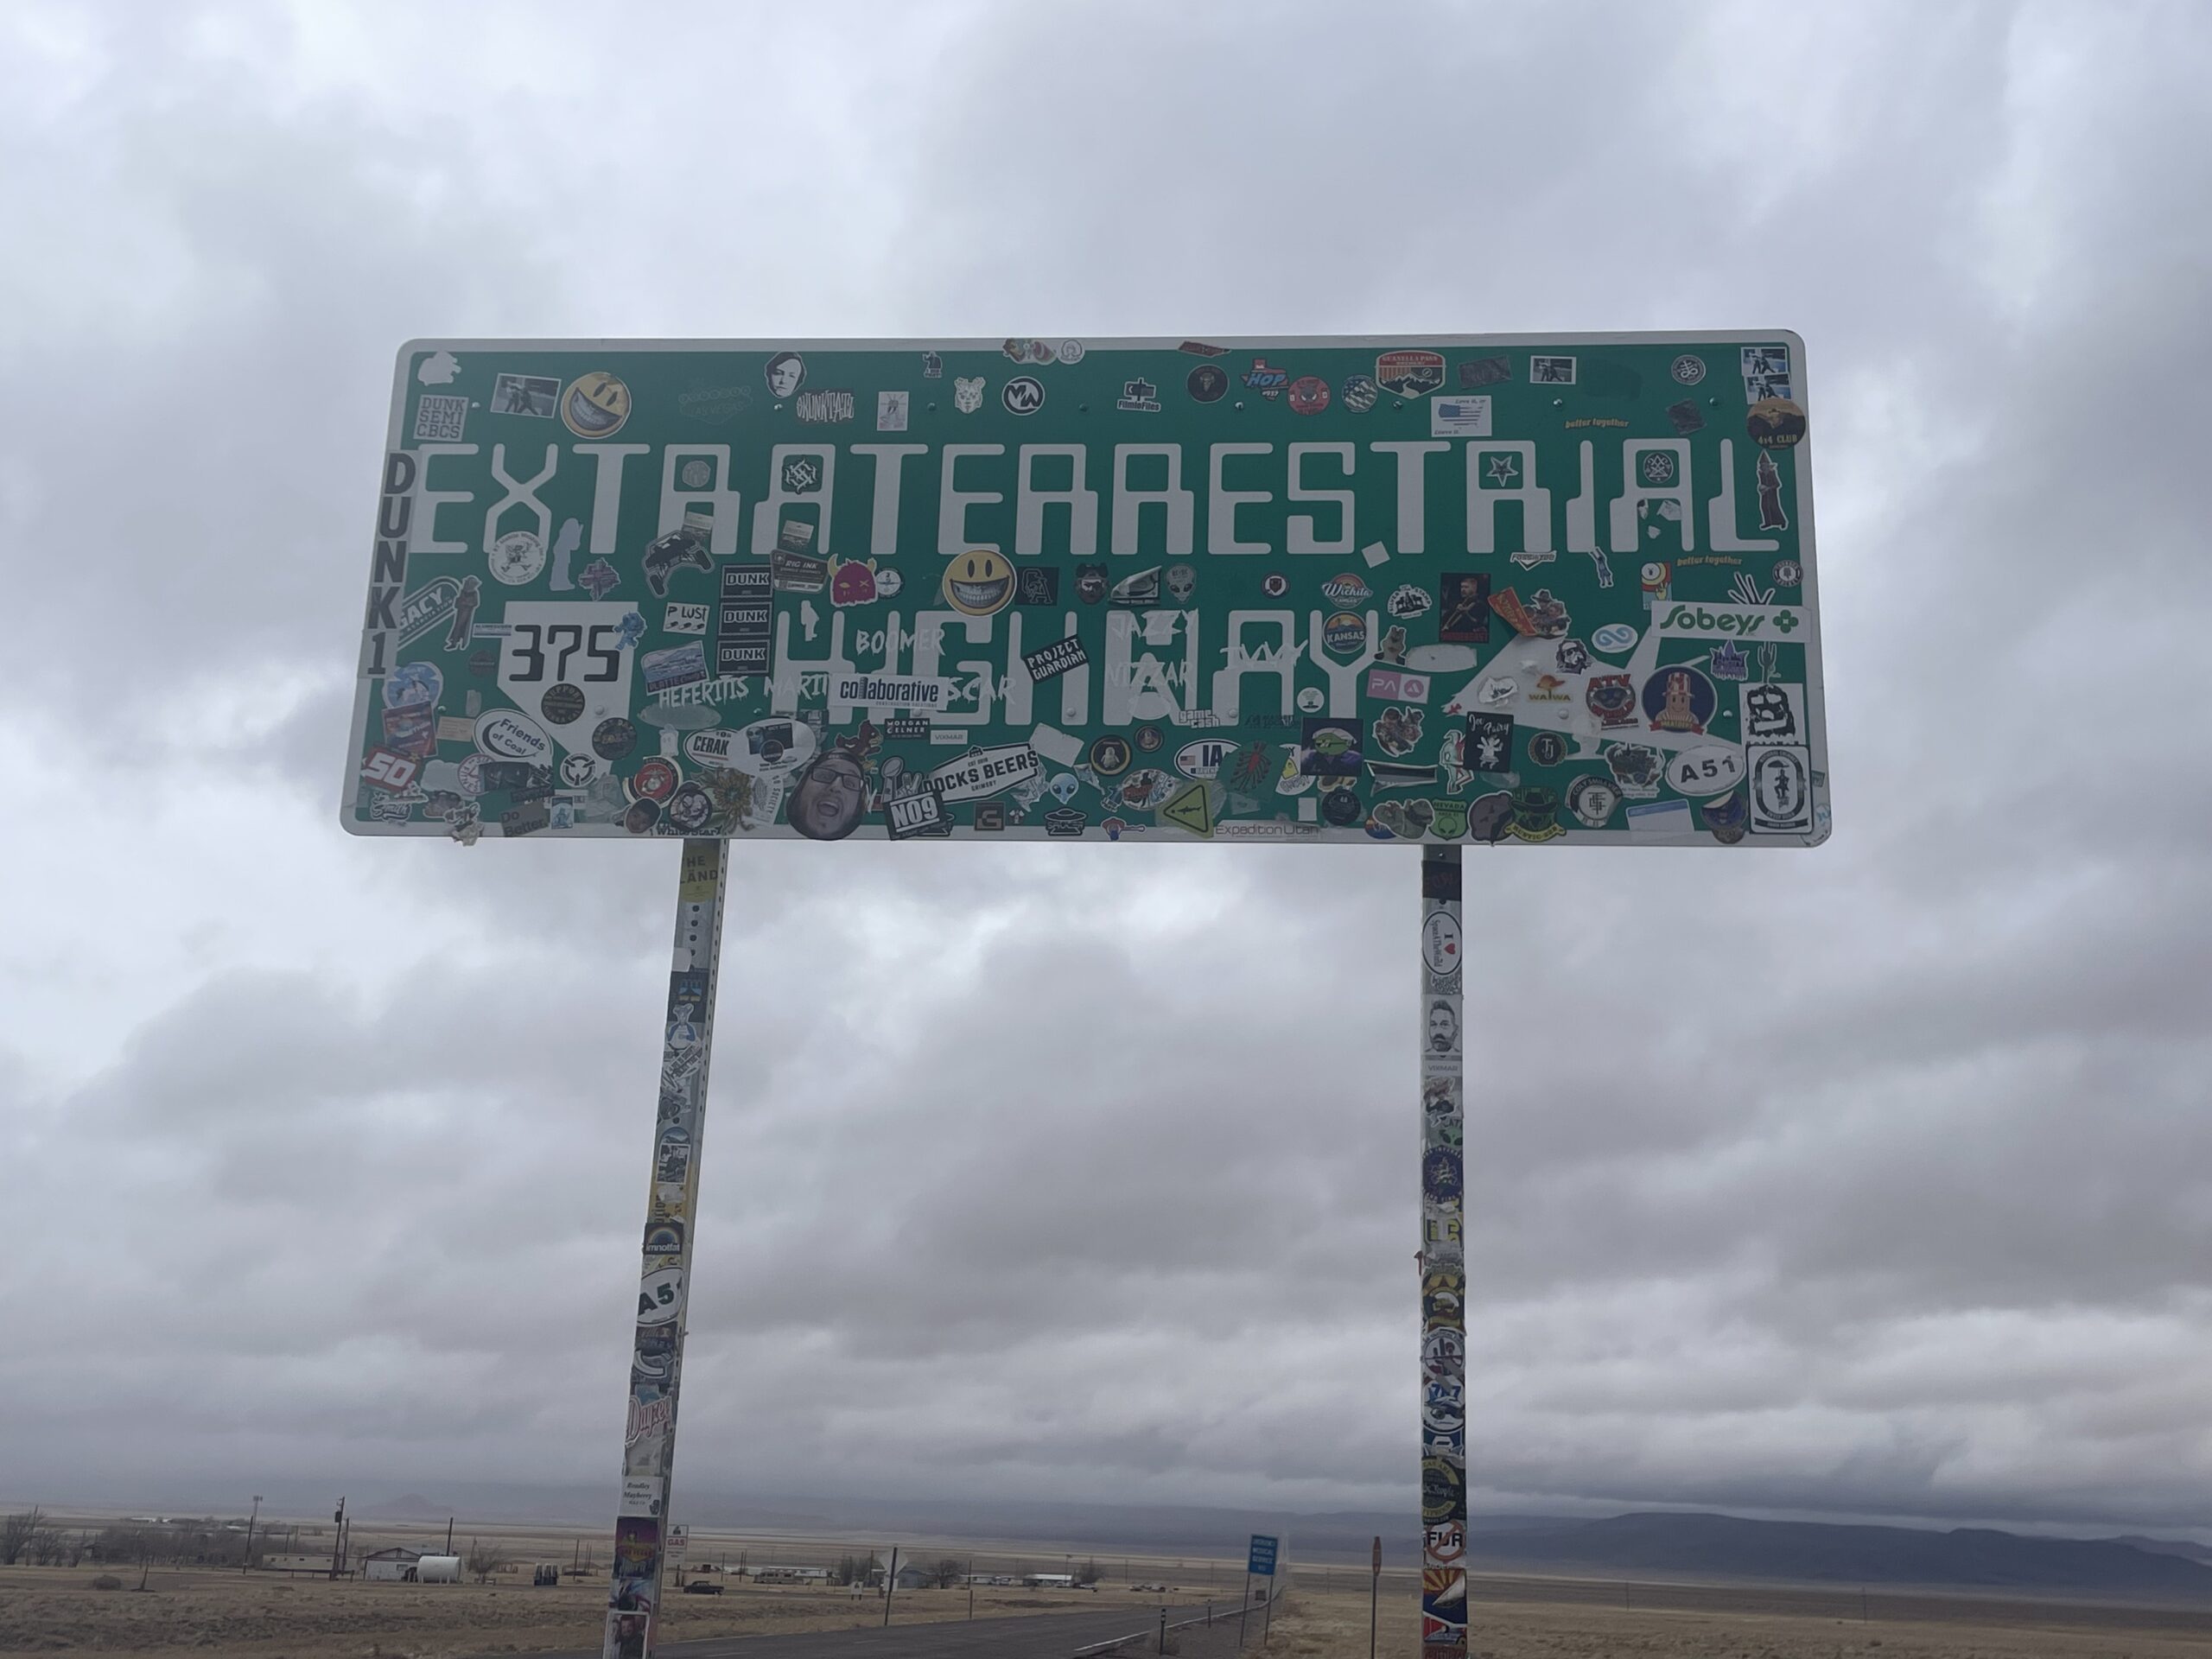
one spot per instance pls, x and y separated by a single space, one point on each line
1489 589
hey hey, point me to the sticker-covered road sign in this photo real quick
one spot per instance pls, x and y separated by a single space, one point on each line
1491 589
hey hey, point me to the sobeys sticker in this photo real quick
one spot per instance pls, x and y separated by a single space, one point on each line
1730 622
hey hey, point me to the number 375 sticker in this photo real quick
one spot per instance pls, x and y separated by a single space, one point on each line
568 663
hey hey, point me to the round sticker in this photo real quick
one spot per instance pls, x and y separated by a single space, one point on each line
562 704
1309 394
641 817
596 405
1613 638
1345 634
655 779
1309 699
1274 584
1109 757
1679 699
613 738
1341 807
1689 369
1023 395
690 809
1071 351
470 776
1148 738
979 583
1146 788
516 557
1592 801
1546 749
1359 393
1207 383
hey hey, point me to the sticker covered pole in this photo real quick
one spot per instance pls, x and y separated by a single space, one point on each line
1443 1262
664 1285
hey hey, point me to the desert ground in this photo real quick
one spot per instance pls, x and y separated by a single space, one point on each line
289 1609
1509 1622
274 1614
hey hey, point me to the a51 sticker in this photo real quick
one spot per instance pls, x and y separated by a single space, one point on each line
567 663
660 1296
1709 770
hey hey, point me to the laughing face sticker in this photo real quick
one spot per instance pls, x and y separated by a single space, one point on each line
979 583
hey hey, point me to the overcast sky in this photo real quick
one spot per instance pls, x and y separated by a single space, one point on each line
1873 1179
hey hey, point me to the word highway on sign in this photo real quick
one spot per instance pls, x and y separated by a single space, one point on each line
1457 589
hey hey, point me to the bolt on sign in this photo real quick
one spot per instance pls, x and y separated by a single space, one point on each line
1449 589
1499 589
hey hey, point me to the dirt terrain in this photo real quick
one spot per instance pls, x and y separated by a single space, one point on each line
270 1615
1333 1624
55 1610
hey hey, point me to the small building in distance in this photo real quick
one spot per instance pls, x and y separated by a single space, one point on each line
913 1576
393 1565
791 1575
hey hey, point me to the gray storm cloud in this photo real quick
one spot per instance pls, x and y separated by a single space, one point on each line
1868 1180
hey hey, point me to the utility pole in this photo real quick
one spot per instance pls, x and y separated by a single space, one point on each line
338 1542
449 1534
1374 1594
890 1583
250 1520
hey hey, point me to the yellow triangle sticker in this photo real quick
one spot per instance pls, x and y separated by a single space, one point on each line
1190 809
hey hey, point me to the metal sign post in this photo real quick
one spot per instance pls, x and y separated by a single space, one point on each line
641 1526
1443 1262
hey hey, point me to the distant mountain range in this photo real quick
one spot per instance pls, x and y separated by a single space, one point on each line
1694 1546
1658 1544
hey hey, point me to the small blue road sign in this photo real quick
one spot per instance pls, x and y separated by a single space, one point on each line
1262 1560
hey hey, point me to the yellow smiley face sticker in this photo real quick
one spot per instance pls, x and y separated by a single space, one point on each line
596 405
979 582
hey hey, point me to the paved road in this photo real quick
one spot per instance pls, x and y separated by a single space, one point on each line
1035 1635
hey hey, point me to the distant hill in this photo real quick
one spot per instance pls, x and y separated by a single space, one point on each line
1722 1546
1652 1544
2180 1547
